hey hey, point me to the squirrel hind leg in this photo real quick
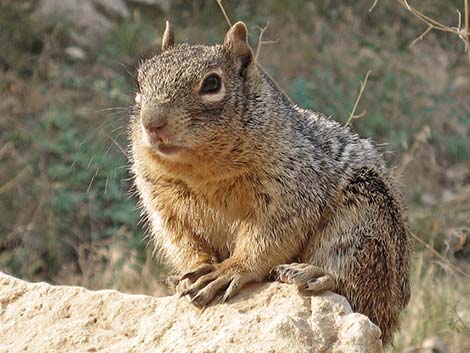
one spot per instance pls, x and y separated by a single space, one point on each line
305 276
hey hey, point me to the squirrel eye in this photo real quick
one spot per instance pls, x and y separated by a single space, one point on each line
211 84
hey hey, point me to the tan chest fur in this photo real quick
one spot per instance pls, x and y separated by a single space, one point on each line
214 210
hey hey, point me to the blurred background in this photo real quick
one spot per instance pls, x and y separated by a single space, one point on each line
67 73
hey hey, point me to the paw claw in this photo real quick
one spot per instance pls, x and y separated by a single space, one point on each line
275 272
198 272
187 275
195 300
209 284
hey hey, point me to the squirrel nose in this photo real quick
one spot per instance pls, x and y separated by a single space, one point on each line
152 120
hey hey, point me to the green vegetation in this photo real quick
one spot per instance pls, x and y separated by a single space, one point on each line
67 213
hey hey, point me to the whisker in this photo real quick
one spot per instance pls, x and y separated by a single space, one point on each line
92 179
119 109
117 145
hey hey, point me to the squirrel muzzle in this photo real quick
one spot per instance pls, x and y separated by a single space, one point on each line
155 126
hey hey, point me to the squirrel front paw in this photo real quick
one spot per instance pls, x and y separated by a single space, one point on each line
304 276
178 284
228 279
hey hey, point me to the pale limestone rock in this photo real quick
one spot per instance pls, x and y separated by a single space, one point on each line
270 317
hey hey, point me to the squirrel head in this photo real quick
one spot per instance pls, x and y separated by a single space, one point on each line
192 99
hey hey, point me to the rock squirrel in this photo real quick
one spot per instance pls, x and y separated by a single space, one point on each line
239 183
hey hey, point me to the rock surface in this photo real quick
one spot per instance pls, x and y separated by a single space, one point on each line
270 317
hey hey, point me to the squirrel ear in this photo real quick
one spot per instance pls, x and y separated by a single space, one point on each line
168 37
236 42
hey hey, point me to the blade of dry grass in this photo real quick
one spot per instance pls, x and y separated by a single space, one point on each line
262 42
16 180
353 115
421 138
445 260
219 2
374 4
467 28
462 33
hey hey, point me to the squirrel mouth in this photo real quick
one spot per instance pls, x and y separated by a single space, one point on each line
167 149
161 145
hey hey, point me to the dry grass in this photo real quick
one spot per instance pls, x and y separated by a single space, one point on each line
421 138
439 307
111 263
353 115
462 32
